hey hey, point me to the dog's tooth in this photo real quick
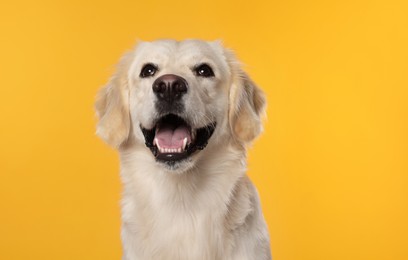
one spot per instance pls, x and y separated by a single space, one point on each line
179 150
184 143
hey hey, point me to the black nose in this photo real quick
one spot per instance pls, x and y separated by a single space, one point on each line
169 87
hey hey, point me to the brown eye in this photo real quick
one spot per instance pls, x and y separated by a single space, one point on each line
148 70
204 70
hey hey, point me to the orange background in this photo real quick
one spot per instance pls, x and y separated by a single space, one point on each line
331 167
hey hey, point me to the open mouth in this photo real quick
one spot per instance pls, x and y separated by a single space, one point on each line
173 139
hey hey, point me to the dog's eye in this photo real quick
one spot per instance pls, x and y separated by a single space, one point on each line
204 70
148 70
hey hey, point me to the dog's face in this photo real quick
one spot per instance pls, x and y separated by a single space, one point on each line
179 97
176 97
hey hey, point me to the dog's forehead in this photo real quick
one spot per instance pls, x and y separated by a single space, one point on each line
181 51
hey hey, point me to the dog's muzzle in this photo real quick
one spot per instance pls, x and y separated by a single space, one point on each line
173 138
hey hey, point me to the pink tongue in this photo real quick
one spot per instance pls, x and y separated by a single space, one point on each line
168 137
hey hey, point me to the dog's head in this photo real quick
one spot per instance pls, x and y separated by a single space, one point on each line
175 98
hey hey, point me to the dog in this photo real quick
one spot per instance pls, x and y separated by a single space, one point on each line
182 114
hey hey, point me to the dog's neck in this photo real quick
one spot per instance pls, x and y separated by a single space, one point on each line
218 173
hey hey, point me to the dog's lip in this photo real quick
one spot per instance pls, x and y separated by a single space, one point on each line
199 141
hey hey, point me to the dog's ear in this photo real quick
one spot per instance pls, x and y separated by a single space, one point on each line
247 105
112 106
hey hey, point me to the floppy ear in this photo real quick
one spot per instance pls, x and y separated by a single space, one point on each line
112 106
246 108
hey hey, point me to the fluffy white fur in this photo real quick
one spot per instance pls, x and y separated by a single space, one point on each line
205 207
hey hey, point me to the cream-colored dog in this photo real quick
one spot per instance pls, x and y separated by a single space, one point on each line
181 114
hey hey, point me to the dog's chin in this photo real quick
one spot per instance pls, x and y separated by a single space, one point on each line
177 167
173 142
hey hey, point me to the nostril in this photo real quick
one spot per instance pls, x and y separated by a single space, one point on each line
180 87
159 87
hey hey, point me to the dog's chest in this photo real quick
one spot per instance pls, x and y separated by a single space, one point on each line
176 232
191 237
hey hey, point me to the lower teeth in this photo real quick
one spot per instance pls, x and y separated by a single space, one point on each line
170 150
